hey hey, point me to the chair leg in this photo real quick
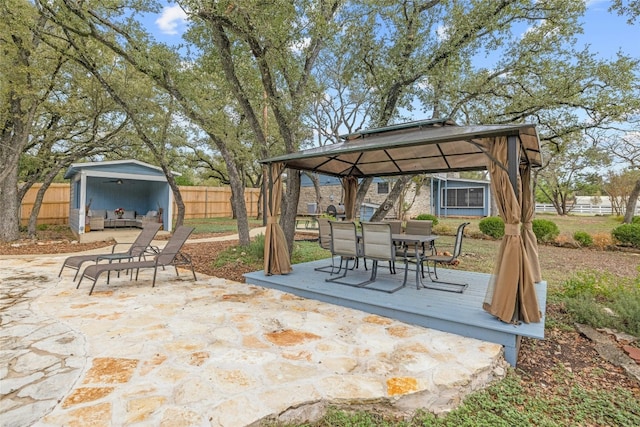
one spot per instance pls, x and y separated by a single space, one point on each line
155 271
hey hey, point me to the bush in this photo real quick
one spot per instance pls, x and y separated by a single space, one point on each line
628 234
545 230
591 296
602 240
492 226
583 238
635 220
428 217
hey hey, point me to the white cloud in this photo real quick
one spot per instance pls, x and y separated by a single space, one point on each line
170 18
442 32
590 3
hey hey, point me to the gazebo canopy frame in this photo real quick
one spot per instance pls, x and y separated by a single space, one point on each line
507 151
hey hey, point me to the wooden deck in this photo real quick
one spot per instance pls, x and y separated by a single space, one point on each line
461 314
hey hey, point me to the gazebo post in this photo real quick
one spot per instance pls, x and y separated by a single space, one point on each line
513 162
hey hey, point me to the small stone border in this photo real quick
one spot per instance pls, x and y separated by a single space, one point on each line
609 349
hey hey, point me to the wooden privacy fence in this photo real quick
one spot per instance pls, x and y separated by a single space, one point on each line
215 202
200 202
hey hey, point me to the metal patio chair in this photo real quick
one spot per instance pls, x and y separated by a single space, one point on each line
324 239
346 245
448 259
378 246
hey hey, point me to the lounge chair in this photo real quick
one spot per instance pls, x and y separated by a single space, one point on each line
139 247
169 255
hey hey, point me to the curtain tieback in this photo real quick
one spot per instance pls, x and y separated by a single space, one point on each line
512 229
272 220
527 226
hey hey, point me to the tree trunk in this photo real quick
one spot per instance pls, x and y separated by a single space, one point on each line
391 199
290 207
316 186
237 192
362 191
37 204
9 225
631 203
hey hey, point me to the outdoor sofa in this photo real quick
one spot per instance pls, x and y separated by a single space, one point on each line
107 218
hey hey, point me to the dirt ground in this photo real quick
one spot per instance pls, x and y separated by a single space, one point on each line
539 360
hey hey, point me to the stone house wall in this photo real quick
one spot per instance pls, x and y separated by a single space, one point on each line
332 195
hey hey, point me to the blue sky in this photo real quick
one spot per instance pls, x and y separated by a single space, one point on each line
606 32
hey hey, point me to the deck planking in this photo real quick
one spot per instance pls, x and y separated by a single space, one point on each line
461 314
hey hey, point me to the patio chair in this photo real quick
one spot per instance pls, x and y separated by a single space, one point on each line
169 255
422 228
396 228
324 239
448 259
139 247
346 245
378 246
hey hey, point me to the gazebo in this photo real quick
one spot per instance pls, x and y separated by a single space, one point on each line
509 152
133 185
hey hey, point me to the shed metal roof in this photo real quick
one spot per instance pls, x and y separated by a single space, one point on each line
115 166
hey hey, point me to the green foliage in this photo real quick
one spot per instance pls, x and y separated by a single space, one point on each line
583 238
635 220
628 234
256 248
545 230
428 217
42 227
587 295
492 226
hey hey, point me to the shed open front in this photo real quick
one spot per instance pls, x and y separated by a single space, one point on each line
507 151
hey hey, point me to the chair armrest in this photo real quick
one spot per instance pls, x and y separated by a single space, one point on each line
113 248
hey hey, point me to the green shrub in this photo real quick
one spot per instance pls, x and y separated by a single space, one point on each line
545 230
628 234
635 220
588 297
492 226
583 238
42 227
428 217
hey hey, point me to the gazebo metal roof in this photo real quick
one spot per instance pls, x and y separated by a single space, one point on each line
411 148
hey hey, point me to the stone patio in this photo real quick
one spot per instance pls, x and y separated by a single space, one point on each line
211 353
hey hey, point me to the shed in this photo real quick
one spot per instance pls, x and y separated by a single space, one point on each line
98 188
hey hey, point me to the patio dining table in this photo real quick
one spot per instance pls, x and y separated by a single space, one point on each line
419 242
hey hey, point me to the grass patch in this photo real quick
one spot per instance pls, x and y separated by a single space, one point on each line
218 225
253 255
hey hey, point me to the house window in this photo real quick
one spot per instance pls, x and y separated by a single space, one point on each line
383 188
463 197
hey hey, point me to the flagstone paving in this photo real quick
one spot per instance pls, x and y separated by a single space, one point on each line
211 353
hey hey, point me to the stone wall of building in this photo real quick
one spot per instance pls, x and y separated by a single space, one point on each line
332 195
